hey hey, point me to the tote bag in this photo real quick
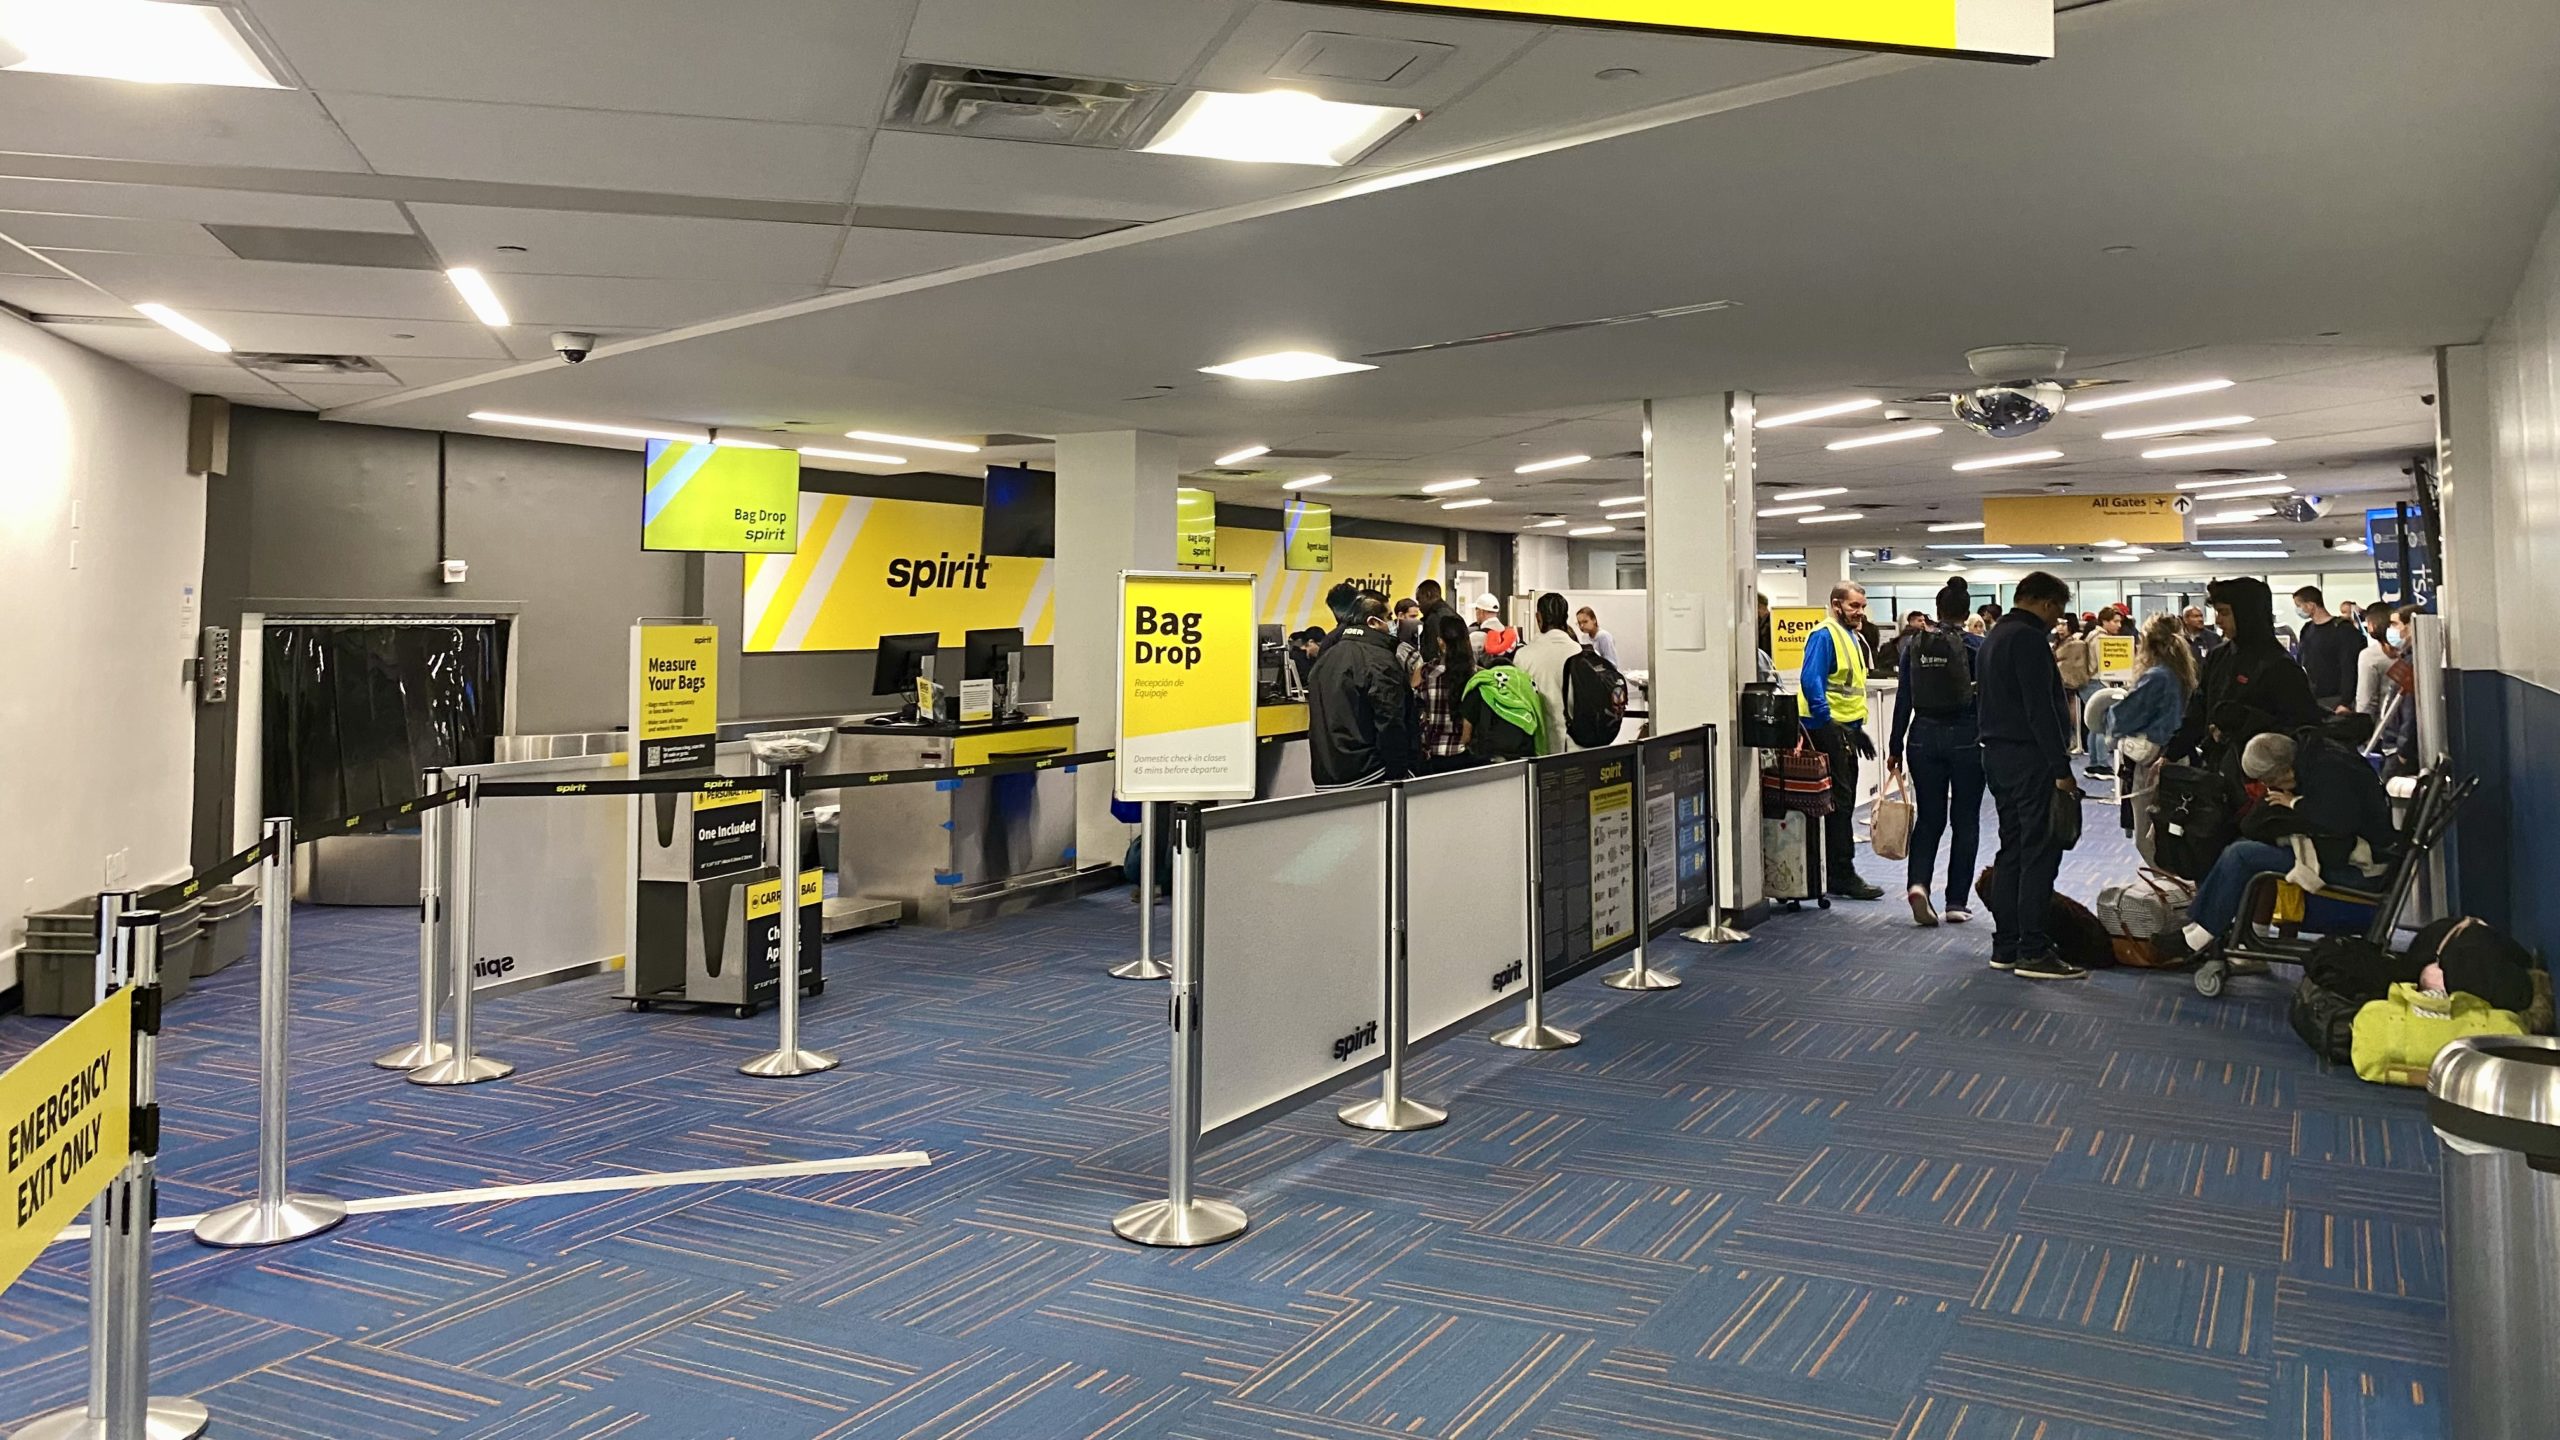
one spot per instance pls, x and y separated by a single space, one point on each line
1890 835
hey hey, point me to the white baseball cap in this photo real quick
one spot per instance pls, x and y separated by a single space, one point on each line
1487 602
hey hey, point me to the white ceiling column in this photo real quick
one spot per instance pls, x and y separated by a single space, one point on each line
1824 567
1115 513
1699 539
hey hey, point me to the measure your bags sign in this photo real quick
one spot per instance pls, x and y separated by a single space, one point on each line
69 1108
1187 650
675 696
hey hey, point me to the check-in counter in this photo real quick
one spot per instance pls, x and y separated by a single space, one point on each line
1280 762
957 850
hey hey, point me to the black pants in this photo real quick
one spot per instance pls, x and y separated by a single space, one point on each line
1840 832
2022 888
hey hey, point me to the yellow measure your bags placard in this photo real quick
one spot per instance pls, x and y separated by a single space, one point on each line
69 1109
1187 651
675 696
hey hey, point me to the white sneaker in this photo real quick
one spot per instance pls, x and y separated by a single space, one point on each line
1958 917
1923 914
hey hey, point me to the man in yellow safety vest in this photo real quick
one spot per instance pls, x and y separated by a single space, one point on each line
1834 681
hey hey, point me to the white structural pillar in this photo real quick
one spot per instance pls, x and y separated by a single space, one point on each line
2467 588
1701 619
1115 513
1824 567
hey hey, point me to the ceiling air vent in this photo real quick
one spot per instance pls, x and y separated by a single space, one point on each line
1018 105
279 363
300 246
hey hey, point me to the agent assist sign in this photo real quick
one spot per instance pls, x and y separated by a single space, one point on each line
1187 643
2014 30
69 1109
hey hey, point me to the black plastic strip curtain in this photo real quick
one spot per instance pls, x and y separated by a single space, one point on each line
354 710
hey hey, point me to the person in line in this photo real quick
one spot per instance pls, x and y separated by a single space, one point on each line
2374 662
1408 652
1767 667
2316 790
2094 736
2249 683
1488 620
1976 626
2328 651
2074 657
1409 623
1430 597
2140 725
1834 682
1304 647
1586 624
1449 663
2201 639
1988 612
1889 654
2026 755
1935 725
1359 701
1543 658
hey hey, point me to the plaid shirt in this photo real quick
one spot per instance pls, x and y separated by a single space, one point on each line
1439 700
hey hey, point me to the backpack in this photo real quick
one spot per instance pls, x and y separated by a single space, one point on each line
2326 1020
1595 699
1495 736
2191 820
1941 671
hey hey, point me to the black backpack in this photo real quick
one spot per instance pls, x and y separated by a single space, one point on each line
2192 820
1941 671
1595 699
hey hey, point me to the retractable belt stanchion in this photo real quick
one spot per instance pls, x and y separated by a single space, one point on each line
1639 974
1182 1220
427 1049
1717 931
1146 966
132 1412
787 1058
274 1215
1392 1110
464 1066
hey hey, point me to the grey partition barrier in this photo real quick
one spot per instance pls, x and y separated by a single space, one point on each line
1465 859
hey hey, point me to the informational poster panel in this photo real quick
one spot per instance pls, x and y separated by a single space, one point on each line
1466 905
728 832
869 567
1676 847
1587 875
2115 656
675 697
1293 957
764 930
720 498
1188 648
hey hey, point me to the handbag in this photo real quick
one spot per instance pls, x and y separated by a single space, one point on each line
2066 818
1800 782
1768 718
1890 835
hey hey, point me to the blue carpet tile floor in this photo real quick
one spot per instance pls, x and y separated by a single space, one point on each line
1848 1182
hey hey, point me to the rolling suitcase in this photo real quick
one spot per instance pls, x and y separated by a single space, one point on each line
1791 859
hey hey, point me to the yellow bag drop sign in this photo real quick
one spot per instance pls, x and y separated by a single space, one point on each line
1195 529
720 499
1187 651
1985 29
1308 529
675 696
69 1109
1788 630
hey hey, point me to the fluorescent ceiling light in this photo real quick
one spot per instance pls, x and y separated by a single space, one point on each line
2110 545
1903 560
184 326
1780 512
154 44
1624 500
2135 550
1887 437
725 443
1559 463
2350 547
1819 412
2110 400
2236 517
1465 504
1238 457
1276 127
1549 524
1581 530
2207 447
1834 518
2228 480
589 427
1951 527
2145 432
1780 555
476 293
1445 486
882 437
1862 554
1305 482
1996 462
864 456
2117 559
1789 497
1284 365
1624 515
2248 492
1977 545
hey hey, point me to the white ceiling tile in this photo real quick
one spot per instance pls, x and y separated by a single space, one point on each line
947 172
871 256
1112 39
185 124
660 154
427 370
14 261
1245 60
194 282
226 380
825 62
138 343
198 206
92 232
53 295
350 335
560 242
591 302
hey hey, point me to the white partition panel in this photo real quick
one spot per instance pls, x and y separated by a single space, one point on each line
1466 897
1293 953
551 873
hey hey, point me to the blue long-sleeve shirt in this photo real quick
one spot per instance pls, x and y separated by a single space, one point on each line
2152 709
1815 677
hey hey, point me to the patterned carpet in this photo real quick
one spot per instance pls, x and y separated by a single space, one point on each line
1846 1183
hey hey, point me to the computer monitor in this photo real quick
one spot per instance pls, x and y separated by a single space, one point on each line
1020 512
983 653
903 659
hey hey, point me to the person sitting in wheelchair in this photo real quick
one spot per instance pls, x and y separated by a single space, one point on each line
2322 821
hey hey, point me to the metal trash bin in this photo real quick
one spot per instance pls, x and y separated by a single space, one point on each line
2495 1103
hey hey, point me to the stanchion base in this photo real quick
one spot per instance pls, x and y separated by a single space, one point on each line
455 1070
1718 933
1641 977
1398 1115
1179 1227
416 1055
782 1064
168 1419
1536 1037
252 1223
1145 968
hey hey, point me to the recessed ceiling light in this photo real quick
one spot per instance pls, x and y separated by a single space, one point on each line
1625 500
155 44
1997 462
1548 524
1819 412
863 456
1624 515
476 293
1780 512
1285 365
1561 462
1579 531
2146 432
882 437
1862 554
2248 492
1953 527
1977 545
2109 400
2228 480
184 326
1443 487
1238 457
1305 482
1789 497
1466 504
1276 127
2207 447
589 427
2350 547
1834 518
1887 437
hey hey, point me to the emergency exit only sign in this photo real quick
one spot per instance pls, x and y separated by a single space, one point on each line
2011 30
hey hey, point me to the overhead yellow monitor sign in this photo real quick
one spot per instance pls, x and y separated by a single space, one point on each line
1195 529
69 1109
1308 530
868 568
2085 519
1187 653
720 498
2011 30
675 696
1789 628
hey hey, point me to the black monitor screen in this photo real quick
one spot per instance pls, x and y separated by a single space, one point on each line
1021 512
984 652
901 662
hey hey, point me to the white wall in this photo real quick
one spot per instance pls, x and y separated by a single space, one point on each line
2522 516
101 548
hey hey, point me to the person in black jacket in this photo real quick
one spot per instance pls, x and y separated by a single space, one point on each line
2329 650
1360 708
2026 755
2315 789
2250 684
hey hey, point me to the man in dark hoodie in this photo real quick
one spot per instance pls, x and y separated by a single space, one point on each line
2250 686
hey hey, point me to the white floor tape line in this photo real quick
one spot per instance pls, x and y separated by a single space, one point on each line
590 1185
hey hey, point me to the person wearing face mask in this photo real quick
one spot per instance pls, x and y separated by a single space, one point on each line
2373 667
2250 684
2328 650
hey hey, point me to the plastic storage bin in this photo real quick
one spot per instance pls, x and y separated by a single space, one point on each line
57 971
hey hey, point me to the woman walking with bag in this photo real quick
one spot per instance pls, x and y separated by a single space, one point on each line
2148 715
1936 727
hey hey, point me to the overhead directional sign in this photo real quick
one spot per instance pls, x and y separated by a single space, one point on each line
2012 30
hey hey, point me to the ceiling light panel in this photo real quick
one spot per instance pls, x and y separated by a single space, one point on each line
171 320
2147 432
1781 512
476 292
2112 399
2001 462
1285 365
1833 518
1548 524
1305 482
1276 127
1445 486
1561 462
138 40
863 457
1579 531
1818 412
1894 436
1465 504
1623 500
1238 457
2229 480
1789 497
589 427
1950 527
2207 447
882 437
1624 515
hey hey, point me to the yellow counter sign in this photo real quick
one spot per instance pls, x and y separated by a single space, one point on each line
1989 29
69 1108
1188 645
1788 630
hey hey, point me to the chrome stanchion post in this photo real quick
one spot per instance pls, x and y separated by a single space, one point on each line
132 1412
274 1215
787 1058
427 1049
1533 1032
1392 1110
1146 966
1640 974
1716 931
464 1066
1181 1220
